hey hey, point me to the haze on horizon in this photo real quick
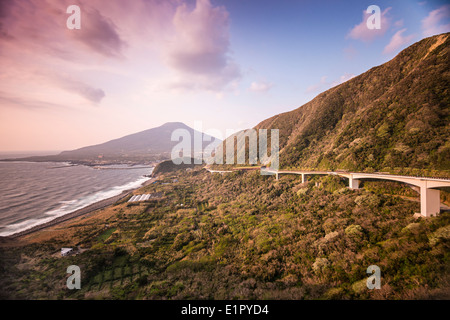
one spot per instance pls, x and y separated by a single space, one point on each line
228 63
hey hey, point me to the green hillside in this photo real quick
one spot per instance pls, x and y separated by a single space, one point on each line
240 236
393 116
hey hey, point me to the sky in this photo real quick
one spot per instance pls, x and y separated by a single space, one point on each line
227 64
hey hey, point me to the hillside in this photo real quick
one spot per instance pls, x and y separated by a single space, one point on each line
169 166
239 236
394 115
147 145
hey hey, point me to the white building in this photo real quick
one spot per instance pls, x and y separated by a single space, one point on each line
66 251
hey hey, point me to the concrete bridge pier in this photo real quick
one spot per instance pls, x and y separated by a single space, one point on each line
430 202
353 183
429 195
304 178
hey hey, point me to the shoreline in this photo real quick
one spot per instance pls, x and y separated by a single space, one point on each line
77 213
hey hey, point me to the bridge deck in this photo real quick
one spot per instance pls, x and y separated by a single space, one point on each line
429 194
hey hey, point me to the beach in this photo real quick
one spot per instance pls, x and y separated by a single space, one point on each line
39 193
80 212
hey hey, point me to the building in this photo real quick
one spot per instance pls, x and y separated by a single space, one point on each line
66 251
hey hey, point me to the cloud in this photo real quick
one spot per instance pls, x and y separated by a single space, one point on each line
325 85
41 26
437 21
200 51
398 41
399 23
45 87
361 32
344 78
8 100
99 34
86 91
317 86
262 86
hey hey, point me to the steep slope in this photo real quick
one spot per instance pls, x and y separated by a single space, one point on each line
148 144
394 115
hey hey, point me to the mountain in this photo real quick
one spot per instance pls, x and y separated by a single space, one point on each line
394 115
151 144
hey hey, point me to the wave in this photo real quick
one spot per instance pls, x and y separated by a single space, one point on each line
73 205
21 226
70 206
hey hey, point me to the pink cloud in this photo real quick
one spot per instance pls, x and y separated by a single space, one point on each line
262 86
14 101
324 84
437 21
36 47
99 34
344 78
39 27
398 41
84 90
399 23
361 32
315 87
201 48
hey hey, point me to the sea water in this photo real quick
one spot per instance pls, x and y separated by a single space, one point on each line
33 193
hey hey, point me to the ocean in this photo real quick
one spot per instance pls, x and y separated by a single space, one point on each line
33 193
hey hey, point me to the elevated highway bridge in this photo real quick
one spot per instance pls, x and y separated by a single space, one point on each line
429 187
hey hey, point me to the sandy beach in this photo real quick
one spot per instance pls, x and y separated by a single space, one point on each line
88 209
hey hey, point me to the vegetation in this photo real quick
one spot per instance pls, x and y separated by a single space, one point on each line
242 236
394 118
169 165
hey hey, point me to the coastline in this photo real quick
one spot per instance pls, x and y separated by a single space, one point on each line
77 213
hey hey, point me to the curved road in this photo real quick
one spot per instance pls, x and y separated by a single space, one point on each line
429 192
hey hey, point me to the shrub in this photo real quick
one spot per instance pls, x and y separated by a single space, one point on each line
334 293
302 191
320 264
142 281
368 200
440 234
360 286
354 230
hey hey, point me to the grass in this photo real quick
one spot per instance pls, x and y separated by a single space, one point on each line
105 235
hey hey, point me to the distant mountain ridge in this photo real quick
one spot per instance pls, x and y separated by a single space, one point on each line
394 115
151 144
